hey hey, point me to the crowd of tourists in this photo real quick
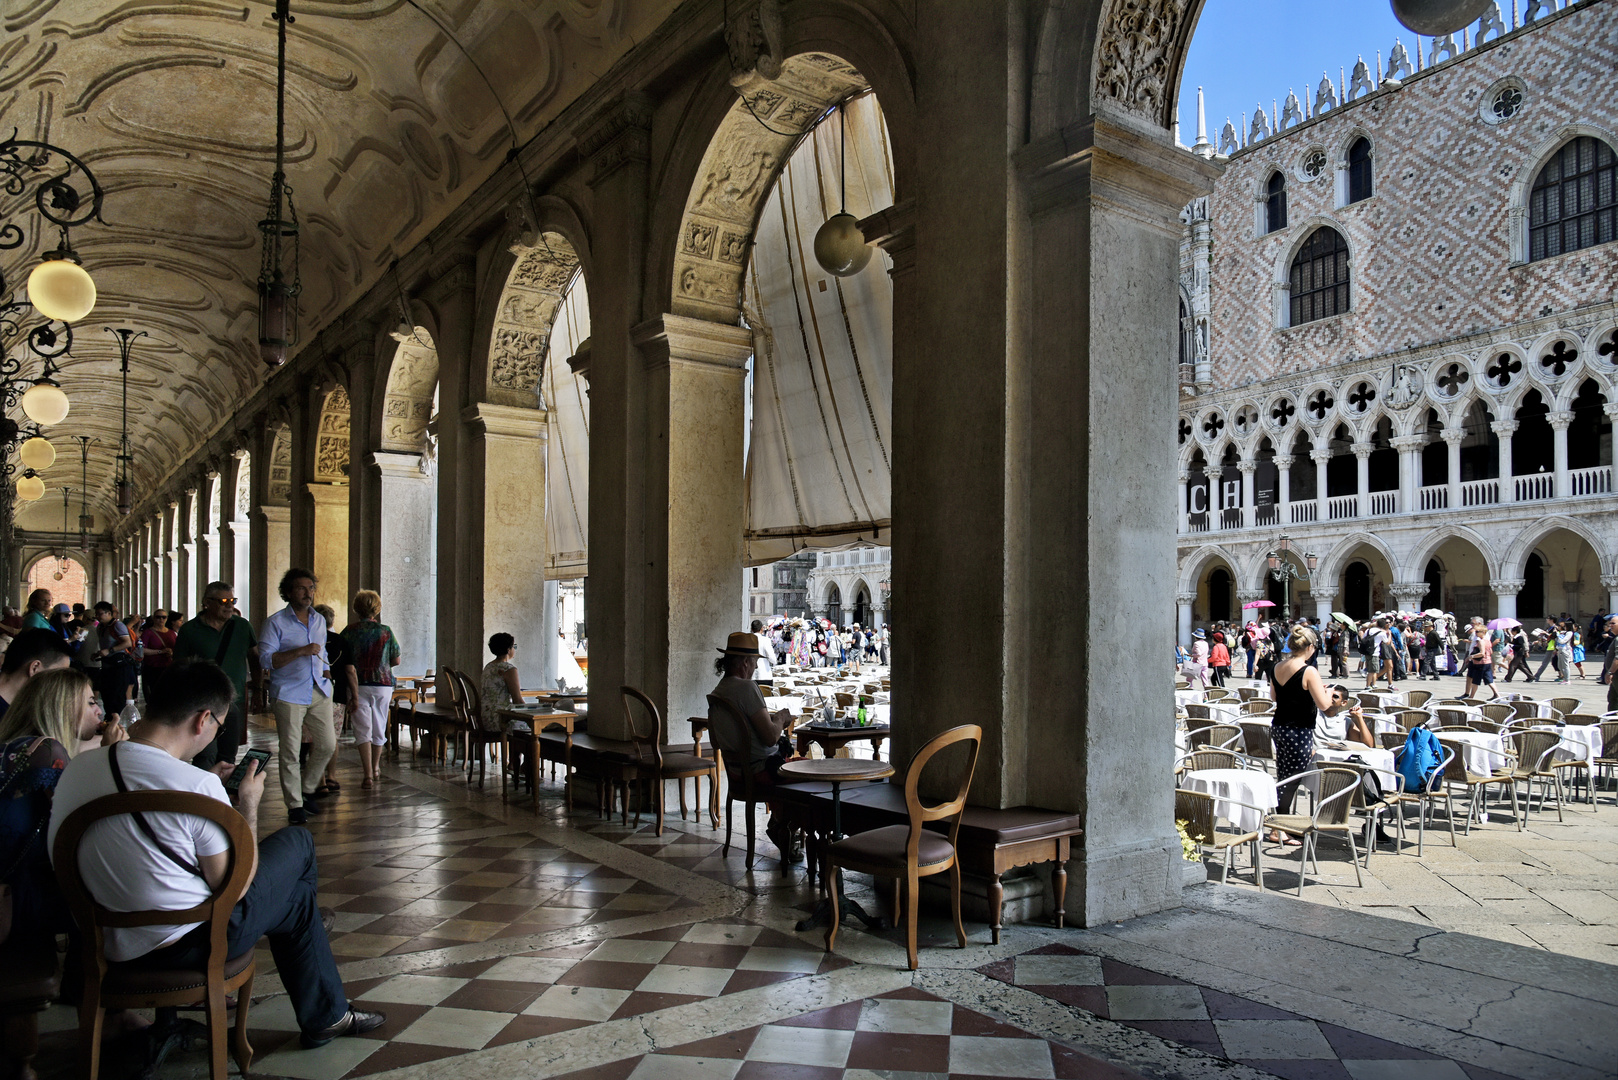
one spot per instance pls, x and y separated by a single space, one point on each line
818 642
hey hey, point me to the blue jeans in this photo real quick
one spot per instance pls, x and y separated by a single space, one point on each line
280 905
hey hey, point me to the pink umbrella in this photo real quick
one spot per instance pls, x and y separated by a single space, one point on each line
1258 604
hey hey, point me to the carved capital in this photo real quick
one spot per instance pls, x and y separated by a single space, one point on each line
1610 580
1561 419
1137 57
1185 598
1363 450
1320 457
1504 427
1506 586
619 135
1408 443
753 39
1409 590
1284 461
678 339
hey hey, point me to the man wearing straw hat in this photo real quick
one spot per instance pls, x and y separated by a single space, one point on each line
758 745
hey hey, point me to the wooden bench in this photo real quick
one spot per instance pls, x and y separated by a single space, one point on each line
990 841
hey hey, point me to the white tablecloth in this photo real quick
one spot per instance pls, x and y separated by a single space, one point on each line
1476 743
1242 785
1379 760
1579 743
1226 713
1182 698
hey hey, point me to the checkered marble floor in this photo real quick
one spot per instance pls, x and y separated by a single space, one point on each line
502 942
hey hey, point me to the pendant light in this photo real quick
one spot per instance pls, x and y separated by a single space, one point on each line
1436 18
840 246
68 195
86 520
37 453
61 556
61 289
30 488
278 280
44 402
124 487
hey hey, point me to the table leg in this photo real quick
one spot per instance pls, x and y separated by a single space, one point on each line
536 770
821 915
1059 882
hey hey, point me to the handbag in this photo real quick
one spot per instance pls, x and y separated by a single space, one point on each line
7 900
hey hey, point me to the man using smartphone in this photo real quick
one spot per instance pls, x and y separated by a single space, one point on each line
173 862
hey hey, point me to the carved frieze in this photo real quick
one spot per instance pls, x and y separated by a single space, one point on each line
1135 56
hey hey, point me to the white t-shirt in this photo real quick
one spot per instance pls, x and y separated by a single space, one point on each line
121 868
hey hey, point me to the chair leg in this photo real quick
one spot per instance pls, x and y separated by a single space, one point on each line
1303 861
729 817
713 799
1354 857
657 786
242 1048
955 899
912 903
90 1013
1258 864
751 809
682 803
217 1030
836 908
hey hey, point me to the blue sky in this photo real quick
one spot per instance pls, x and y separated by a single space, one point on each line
1250 51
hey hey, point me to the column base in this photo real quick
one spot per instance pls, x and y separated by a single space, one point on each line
1124 883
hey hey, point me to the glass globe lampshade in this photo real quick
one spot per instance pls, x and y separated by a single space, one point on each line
840 246
37 454
45 403
58 575
1438 17
61 290
30 489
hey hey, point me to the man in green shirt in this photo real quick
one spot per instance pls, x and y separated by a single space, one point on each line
221 635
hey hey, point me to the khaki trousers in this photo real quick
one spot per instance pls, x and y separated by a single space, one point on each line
289 723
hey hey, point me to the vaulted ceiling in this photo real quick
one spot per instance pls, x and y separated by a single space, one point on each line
396 111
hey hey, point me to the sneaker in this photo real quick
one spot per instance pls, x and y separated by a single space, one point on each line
296 816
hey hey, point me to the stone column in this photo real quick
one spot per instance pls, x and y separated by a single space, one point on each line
505 537
407 575
364 439
1182 606
695 503
1244 596
329 534
1408 594
235 538
1611 412
1505 596
171 554
1452 441
1283 489
1560 421
277 555
1362 478
1409 447
1323 606
1610 583
303 435
1183 514
1322 458
183 595
1508 489
207 534
1050 323
1246 468
1216 497
618 141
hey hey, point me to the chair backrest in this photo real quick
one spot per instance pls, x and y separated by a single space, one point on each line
1370 700
1337 787
471 699
1488 727
94 919
1412 718
1217 693
1497 711
1248 693
1258 740
1417 698
1566 705
1609 739
649 746
1196 809
1213 758
1224 736
1534 747
1258 708
1528 710
1181 684
1578 719
451 685
845 700
1455 727
920 813
1198 711
1392 740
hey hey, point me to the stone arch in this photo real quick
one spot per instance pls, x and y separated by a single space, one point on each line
332 438
1516 556
1426 549
1528 171
1332 563
725 160
279 491
1198 561
539 268
409 389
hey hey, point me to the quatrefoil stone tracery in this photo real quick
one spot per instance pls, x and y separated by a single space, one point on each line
1246 419
1608 349
1360 398
1557 362
1185 430
1453 379
1282 412
1320 403
1503 368
1212 425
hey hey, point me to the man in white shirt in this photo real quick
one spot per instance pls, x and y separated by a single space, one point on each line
766 656
174 861
292 649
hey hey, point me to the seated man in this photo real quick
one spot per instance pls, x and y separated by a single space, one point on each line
759 746
31 652
177 860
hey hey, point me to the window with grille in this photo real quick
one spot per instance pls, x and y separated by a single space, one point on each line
1319 280
1275 203
1359 170
1574 202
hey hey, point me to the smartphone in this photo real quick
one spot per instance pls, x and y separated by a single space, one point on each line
235 779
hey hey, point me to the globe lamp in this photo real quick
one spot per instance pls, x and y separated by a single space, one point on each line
45 403
30 488
37 454
1437 18
61 290
840 246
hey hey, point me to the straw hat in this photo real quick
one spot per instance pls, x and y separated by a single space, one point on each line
741 644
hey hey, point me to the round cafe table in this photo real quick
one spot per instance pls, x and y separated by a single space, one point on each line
837 772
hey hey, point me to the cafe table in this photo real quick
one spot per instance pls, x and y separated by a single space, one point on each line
831 737
1482 752
1380 761
1241 796
540 718
1183 698
837 772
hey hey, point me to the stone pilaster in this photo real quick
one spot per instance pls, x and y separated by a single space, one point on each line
407 576
1505 595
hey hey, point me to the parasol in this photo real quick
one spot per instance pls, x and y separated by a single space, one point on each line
1505 623
1433 613
1258 604
1344 619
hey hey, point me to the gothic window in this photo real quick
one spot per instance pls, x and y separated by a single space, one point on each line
1574 203
1319 278
1275 203
1359 170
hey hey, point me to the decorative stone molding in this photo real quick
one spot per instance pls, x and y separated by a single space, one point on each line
1609 581
753 36
1138 56
1507 586
619 135
1185 598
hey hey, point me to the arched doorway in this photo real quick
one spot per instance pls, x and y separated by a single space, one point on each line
1434 577
64 578
1220 589
1531 600
834 604
407 575
861 612
1357 590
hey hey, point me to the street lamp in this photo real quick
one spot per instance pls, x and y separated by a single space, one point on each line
1285 571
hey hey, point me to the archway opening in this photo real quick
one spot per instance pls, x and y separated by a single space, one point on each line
1533 446
1572 576
1462 573
65 579
1434 577
1220 590
1357 590
407 578
1589 440
1531 600
834 605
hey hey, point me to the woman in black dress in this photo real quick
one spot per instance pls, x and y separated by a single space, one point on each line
1299 695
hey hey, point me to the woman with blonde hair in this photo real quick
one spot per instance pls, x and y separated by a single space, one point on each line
54 717
375 652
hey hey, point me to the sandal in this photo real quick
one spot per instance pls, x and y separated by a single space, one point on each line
366 783
334 785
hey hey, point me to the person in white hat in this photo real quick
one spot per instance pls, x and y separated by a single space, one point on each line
758 744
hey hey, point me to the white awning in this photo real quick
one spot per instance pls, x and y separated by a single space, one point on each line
567 467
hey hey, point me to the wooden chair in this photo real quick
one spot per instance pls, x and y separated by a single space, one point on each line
109 985
479 741
911 852
1196 809
397 711
1330 815
654 765
740 784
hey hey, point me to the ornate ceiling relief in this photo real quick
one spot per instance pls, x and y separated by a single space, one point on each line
1136 55
390 126
742 161
331 447
522 324
244 487
412 391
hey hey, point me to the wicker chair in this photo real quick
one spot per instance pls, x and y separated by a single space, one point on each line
1224 736
1330 815
1525 710
1607 760
1259 742
1565 705
1258 707
1219 693
1197 711
1196 809
1456 772
1535 749
1417 698
1412 718
1497 711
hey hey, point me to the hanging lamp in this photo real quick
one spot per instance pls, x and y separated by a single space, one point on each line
278 280
840 246
124 487
1436 18
86 520
37 453
44 401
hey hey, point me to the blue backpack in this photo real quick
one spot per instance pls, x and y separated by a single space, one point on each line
1421 758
